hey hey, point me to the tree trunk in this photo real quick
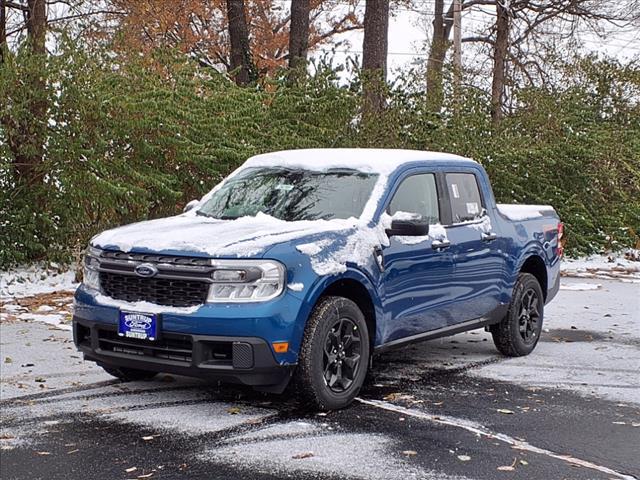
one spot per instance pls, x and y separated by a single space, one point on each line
37 24
3 29
442 25
240 61
435 62
500 51
374 54
27 143
299 33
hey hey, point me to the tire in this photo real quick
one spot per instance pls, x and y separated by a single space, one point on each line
334 355
519 331
129 374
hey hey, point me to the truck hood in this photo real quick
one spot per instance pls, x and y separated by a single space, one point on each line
193 234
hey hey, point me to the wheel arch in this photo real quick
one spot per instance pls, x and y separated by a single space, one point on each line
357 288
534 265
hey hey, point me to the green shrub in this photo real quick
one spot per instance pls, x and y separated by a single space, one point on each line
128 139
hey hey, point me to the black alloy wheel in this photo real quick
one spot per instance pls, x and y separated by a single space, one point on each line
342 354
529 316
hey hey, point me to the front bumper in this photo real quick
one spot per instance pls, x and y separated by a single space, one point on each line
244 360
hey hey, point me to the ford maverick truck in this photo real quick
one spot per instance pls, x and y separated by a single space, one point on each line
302 264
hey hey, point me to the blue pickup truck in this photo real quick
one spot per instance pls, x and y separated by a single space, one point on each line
301 265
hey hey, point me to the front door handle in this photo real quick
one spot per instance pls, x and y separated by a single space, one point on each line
489 237
440 244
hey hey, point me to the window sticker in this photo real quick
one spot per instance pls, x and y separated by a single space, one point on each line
454 189
472 208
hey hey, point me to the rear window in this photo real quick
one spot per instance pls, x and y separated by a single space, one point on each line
466 202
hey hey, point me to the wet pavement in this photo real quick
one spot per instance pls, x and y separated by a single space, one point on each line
446 409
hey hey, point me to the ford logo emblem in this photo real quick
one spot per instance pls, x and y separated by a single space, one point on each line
146 270
137 322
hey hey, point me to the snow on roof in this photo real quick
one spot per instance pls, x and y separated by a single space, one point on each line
372 160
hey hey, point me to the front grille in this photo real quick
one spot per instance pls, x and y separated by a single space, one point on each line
161 291
155 258
177 348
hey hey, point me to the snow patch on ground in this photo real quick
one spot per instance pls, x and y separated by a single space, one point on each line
28 281
193 419
57 320
343 455
577 287
612 266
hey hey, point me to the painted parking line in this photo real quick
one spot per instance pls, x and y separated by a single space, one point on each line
482 431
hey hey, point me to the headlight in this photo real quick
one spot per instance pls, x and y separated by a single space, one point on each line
90 275
246 280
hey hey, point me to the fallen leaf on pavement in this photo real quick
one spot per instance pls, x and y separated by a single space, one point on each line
464 458
130 469
409 453
8 360
505 411
233 410
43 453
506 468
149 437
73 451
146 476
302 455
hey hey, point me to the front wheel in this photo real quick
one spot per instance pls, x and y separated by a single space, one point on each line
518 333
334 354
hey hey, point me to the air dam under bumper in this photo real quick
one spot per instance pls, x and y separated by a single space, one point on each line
244 360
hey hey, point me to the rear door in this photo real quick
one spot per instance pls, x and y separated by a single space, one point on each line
475 249
417 277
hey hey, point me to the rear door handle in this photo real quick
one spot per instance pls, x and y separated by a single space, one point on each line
489 237
440 244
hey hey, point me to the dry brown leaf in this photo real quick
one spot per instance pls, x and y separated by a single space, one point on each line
302 455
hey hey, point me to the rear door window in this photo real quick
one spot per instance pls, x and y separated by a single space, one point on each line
417 194
466 201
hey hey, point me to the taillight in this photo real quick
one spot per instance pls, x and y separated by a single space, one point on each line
560 239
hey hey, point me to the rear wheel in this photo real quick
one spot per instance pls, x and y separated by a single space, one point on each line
129 374
518 333
334 355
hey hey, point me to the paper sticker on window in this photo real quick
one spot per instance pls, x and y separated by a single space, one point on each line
454 189
472 208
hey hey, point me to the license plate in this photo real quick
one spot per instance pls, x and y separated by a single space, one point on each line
141 326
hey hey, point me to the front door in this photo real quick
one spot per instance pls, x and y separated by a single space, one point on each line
417 273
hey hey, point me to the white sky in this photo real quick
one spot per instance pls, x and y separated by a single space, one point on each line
409 30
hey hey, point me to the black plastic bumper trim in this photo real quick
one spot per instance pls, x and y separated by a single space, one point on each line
261 369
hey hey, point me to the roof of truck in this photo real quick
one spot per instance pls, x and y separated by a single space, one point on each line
372 160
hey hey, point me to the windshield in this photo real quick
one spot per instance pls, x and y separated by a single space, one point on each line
291 194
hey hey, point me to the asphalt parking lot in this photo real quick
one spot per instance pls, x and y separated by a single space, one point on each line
447 409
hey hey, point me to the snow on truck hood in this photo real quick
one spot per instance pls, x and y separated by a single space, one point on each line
243 237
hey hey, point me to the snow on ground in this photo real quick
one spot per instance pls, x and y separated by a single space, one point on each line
624 266
35 280
576 287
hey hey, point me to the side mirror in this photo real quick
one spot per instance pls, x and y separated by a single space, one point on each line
190 206
416 227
